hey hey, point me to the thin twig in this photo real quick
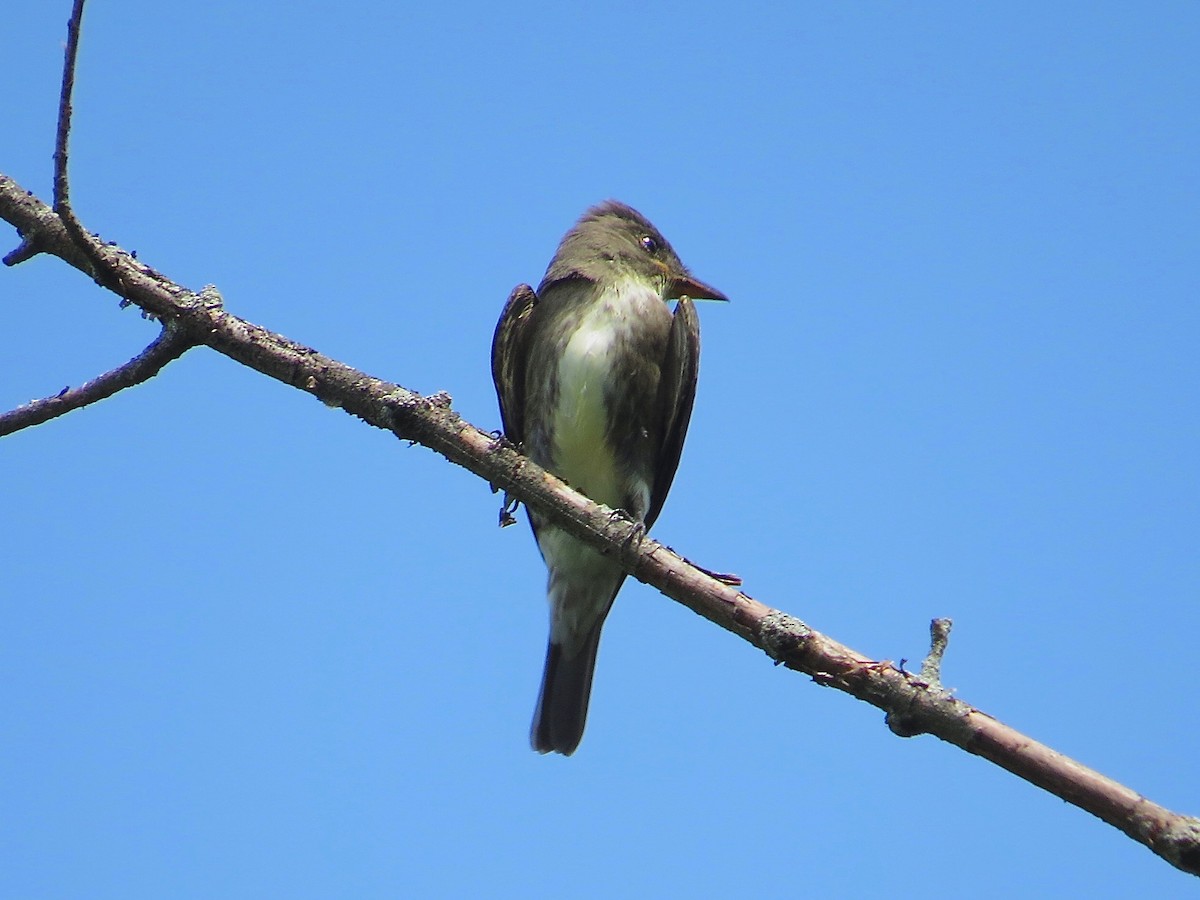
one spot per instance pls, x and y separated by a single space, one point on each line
86 243
170 344
62 189
33 241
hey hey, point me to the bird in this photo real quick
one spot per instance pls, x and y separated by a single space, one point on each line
596 377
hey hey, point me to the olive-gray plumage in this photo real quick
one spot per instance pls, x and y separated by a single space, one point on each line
596 379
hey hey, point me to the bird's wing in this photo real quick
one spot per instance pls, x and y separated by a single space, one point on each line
676 392
509 354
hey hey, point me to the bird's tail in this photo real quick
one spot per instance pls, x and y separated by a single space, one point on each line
562 703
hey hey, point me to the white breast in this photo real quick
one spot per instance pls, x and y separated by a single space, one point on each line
581 452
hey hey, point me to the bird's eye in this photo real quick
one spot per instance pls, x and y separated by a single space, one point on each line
649 244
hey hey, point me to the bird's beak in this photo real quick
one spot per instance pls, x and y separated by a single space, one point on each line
684 285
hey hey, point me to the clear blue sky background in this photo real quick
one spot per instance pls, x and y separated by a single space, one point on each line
253 648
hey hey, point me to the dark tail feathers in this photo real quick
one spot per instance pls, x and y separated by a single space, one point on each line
563 702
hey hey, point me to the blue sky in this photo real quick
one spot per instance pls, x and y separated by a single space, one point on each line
254 648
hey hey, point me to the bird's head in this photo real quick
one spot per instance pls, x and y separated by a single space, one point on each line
613 240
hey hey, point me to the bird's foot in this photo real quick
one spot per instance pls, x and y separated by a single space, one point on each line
507 509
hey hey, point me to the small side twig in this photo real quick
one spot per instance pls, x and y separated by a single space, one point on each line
170 344
911 718
34 242
62 188
939 637
89 245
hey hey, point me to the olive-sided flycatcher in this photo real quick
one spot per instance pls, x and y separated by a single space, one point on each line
596 378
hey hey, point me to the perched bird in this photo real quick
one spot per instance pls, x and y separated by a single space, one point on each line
596 378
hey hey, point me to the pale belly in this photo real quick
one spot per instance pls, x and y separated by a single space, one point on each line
583 455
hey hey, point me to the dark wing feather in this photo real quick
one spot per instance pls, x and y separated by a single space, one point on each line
509 355
676 393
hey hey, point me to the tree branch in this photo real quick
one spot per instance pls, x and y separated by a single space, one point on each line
913 704
169 345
